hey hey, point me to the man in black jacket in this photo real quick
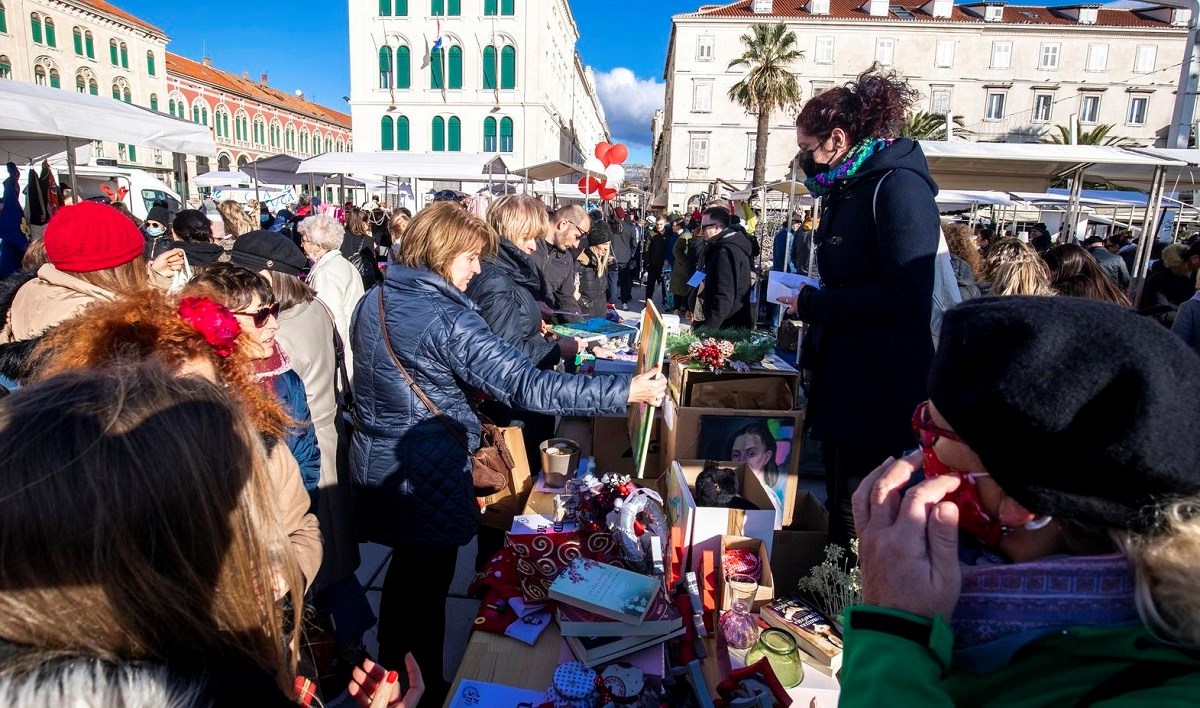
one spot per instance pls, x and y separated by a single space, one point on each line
625 246
725 292
555 259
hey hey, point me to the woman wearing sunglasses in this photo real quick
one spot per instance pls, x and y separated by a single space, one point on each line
1051 554
249 296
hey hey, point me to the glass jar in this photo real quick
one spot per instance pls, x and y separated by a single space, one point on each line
780 650
736 626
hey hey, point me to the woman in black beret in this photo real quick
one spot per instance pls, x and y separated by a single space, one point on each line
1051 555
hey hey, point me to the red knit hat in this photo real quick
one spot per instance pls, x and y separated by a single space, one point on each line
90 236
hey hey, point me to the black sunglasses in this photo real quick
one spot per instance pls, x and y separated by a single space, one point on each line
262 314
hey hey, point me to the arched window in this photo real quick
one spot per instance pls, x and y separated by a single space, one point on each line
50 39
456 67
489 68
55 80
402 133
223 162
508 67
39 76
489 135
171 106
260 132
328 143
5 67
436 64
454 134
275 135
77 40
385 67
154 101
93 87
242 161
341 145
304 141
89 46
403 67
124 56
116 92
80 83
439 134
113 52
387 133
150 63
506 135
289 139
35 27
126 95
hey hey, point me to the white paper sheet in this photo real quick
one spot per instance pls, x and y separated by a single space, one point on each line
780 284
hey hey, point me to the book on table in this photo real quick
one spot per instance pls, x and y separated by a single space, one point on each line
662 617
593 651
594 330
606 590
815 635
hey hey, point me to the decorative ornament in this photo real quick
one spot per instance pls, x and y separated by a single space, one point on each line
213 320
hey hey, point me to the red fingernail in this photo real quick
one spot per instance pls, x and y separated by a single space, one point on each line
393 677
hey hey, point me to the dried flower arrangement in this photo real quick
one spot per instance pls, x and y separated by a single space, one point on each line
835 584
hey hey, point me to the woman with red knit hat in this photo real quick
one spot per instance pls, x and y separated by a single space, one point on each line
95 254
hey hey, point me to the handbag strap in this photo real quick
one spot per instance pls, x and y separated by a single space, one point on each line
437 413
343 393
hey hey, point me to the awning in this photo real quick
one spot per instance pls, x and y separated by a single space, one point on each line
555 169
1026 166
32 117
1183 176
431 166
222 179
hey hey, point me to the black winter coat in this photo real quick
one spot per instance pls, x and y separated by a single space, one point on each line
558 277
873 346
728 261
506 291
592 298
1167 287
412 477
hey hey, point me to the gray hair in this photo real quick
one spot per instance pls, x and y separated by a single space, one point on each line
84 681
322 230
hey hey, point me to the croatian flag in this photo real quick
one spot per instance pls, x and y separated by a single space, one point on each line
437 43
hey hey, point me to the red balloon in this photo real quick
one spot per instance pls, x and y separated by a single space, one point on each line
617 154
608 194
590 185
585 186
602 150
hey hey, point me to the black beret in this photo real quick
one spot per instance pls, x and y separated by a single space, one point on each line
1079 409
265 250
600 234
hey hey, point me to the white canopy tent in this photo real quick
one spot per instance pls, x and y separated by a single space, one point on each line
1026 167
1181 176
415 165
223 179
33 117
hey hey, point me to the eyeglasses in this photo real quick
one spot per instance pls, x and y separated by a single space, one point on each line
927 431
706 227
577 228
262 314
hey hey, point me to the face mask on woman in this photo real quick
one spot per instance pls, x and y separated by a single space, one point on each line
811 167
155 231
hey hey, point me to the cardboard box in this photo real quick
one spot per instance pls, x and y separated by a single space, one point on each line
800 547
682 378
500 508
766 584
613 450
682 441
708 524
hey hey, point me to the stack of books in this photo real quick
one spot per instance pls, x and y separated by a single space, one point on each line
606 612
815 635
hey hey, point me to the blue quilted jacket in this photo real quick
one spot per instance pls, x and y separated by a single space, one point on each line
412 478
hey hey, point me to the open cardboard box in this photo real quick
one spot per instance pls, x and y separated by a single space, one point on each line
682 378
614 452
766 584
704 526
800 547
682 441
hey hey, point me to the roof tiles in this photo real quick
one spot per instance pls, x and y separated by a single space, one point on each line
110 9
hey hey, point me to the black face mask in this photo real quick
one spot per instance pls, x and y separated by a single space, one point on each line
811 167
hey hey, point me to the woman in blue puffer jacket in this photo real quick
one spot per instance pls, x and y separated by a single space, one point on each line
412 474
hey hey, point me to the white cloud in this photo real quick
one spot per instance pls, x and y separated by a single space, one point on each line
629 104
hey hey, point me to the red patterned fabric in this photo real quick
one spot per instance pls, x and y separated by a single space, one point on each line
600 546
742 561
540 557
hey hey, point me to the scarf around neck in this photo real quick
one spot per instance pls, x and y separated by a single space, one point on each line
1004 607
273 366
822 184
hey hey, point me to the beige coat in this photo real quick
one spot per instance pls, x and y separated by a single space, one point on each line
302 528
306 335
51 298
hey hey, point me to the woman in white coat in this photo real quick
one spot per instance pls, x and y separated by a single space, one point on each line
336 282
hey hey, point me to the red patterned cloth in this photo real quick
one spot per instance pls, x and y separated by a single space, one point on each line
540 558
742 561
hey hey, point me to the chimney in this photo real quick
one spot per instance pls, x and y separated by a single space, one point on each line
939 8
876 8
206 61
764 7
818 7
263 79
246 75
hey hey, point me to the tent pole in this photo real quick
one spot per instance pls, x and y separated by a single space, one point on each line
71 169
1149 233
256 181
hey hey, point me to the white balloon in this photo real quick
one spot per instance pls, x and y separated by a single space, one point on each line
593 164
615 174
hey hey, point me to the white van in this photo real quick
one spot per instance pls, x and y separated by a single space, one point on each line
141 188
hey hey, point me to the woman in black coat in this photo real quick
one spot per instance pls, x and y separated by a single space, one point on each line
412 469
593 268
878 236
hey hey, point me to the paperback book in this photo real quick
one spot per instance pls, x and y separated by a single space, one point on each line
660 619
594 330
593 651
606 590
815 634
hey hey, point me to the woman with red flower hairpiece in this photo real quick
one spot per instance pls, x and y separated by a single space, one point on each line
195 337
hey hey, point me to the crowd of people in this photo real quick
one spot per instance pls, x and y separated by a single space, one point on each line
203 413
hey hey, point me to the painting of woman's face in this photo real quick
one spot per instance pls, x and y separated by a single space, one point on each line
752 450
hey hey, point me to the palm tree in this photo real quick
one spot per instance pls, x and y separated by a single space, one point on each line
1096 136
930 126
769 83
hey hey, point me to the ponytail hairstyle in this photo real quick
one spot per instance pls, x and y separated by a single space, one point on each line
872 106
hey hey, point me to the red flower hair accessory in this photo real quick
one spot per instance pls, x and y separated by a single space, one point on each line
213 320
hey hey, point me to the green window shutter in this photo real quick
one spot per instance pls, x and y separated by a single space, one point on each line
112 52
508 68
506 135
35 29
385 8
402 133
93 88
403 68
50 39
89 45
435 69
454 134
195 114
124 56
456 58
150 63
127 96
54 80
77 41
437 7
489 67
387 133
132 154
385 67
80 85
439 134
401 8
489 134
454 8
153 102
3 20
116 92
489 7
508 8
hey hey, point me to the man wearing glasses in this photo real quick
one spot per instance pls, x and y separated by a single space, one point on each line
725 291
555 259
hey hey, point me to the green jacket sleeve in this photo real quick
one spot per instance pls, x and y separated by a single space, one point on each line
893 658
